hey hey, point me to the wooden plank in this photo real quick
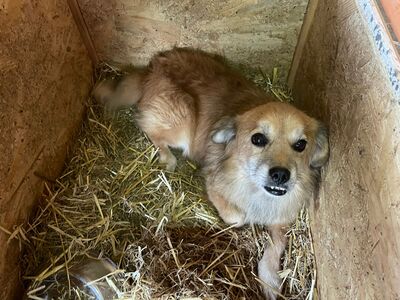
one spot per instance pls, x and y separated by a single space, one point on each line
254 33
342 80
381 37
305 28
45 80
83 29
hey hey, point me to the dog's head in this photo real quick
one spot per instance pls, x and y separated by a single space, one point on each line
276 146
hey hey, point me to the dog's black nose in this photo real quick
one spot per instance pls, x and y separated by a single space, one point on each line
279 175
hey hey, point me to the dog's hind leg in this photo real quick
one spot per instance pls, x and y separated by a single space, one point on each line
169 120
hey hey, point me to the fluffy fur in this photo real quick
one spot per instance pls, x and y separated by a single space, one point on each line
192 100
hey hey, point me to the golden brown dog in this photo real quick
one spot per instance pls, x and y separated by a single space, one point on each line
261 159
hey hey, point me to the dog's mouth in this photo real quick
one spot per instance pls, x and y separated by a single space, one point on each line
275 190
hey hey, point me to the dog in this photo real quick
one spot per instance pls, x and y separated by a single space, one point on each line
261 159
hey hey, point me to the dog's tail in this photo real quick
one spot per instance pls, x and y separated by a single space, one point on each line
124 91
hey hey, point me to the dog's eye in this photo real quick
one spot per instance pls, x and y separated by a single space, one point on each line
300 145
259 140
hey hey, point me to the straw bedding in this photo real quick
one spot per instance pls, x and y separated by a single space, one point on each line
114 200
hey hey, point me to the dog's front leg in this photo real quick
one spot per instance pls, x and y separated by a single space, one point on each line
270 263
231 214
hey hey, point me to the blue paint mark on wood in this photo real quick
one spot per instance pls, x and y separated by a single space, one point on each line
383 44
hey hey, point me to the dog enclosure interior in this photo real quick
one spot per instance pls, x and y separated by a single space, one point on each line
335 66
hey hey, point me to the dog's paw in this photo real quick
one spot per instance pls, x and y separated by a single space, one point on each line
171 165
271 282
169 160
233 217
269 294
103 91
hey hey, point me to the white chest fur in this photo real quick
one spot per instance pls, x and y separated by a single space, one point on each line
259 206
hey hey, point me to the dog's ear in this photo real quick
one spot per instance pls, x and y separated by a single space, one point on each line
321 150
224 131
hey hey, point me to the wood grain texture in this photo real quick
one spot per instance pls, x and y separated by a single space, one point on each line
305 28
252 32
83 30
44 80
341 79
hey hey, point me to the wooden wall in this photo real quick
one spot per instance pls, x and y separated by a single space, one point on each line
356 227
45 77
256 33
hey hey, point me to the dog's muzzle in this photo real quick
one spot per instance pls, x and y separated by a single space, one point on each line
278 176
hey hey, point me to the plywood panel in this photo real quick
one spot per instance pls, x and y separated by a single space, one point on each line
341 79
253 32
45 76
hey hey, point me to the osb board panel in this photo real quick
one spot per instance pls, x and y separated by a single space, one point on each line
356 227
45 76
256 33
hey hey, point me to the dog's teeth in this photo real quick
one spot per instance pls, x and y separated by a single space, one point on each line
277 188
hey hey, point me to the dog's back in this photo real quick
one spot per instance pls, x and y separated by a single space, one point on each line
218 89
180 96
